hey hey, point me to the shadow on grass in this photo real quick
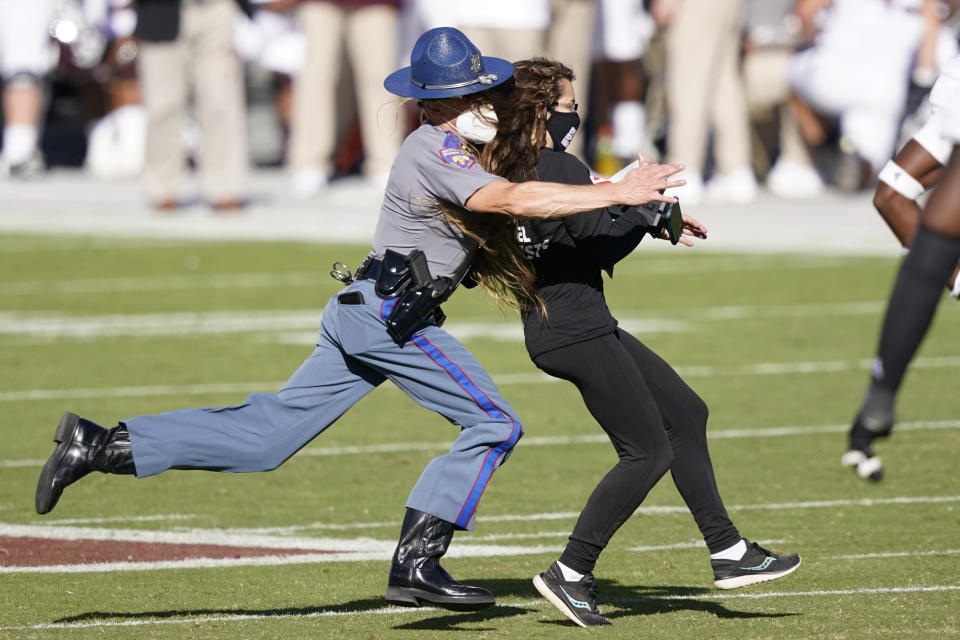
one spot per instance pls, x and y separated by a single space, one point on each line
616 601
639 600
354 606
441 620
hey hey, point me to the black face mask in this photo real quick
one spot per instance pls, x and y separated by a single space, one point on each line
561 127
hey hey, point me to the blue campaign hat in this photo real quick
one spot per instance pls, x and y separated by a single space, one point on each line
445 63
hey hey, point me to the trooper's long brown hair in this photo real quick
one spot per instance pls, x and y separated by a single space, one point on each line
499 265
521 105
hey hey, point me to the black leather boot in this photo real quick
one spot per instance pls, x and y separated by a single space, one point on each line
416 577
82 447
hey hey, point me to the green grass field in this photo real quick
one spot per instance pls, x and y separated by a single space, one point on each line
777 345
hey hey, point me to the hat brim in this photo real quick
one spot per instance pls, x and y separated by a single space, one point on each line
399 83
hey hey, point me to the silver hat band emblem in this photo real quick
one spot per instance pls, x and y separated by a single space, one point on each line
486 78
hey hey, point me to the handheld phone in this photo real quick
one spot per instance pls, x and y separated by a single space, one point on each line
674 222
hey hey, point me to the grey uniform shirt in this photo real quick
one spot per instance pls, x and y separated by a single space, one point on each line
431 165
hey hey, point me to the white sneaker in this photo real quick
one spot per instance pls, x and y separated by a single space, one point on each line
306 183
737 187
789 179
868 467
690 193
31 168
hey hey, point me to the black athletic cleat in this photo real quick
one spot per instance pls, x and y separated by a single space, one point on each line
576 600
756 565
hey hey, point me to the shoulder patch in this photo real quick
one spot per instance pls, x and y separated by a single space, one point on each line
452 153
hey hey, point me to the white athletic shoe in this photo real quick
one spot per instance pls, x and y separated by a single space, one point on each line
789 179
306 183
757 565
690 193
737 187
867 467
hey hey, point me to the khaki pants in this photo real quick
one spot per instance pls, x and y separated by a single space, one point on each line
766 81
201 58
369 35
704 86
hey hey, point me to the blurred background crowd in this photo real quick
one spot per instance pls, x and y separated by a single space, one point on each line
792 95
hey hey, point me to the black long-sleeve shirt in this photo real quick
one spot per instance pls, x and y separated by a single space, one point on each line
568 255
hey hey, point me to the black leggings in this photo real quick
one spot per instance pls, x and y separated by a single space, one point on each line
655 422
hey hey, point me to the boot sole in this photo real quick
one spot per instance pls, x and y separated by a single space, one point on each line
410 597
45 499
744 581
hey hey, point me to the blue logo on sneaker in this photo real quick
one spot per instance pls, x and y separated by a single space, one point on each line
763 565
580 604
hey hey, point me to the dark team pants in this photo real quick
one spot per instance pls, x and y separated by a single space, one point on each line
916 294
655 422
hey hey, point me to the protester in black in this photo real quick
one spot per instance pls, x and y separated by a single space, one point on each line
654 420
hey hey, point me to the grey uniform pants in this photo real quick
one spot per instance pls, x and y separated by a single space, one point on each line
354 354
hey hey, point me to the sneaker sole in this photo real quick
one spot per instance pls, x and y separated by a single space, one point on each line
744 581
547 593
44 500
411 597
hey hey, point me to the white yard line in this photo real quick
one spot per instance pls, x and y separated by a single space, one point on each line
260 279
83 286
521 604
551 441
219 537
63 325
279 537
162 517
671 509
458 551
504 379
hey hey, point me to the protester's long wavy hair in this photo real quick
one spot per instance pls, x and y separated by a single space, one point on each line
521 105
499 265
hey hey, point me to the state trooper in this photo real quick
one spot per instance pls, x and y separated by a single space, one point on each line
383 325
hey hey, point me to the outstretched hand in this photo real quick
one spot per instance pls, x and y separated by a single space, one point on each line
646 182
692 228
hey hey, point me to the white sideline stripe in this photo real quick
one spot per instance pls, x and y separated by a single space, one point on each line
51 325
295 278
670 510
163 283
459 551
747 312
163 517
894 554
61 325
502 379
260 537
513 605
219 537
549 441
155 324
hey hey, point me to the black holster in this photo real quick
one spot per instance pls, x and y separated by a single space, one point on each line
418 294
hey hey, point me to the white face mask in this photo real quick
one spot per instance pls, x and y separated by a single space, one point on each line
477 129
